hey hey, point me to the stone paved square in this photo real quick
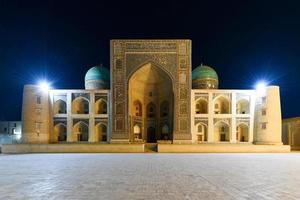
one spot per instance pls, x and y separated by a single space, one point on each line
150 176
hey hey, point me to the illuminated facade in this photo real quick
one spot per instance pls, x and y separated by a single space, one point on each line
151 95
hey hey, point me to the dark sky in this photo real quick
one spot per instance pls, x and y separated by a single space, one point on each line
245 41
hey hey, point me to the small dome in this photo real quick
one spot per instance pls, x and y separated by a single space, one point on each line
97 78
205 77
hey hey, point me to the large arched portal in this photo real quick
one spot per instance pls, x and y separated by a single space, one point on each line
152 88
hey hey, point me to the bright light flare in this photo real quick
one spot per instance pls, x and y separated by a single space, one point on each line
261 88
44 86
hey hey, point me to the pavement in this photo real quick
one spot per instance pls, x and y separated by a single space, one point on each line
150 176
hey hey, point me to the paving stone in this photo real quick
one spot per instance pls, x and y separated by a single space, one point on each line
150 176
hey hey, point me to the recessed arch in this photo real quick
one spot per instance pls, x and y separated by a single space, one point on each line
152 86
222 105
101 132
81 131
60 107
222 132
201 132
242 132
100 106
60 132
242 106
201 106
80 105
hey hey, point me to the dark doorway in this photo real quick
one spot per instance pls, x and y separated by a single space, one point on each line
151 138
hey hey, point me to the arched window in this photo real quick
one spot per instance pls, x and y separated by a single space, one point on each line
60 107
137 106
136 129
201 106
101 107
164 109
151 110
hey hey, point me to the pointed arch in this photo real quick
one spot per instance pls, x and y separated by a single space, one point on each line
242 106
201 132
242 132
101 132
151 110
100 106
138 110
80 105
164 108
81 131
222 131
60 132
222 105
60 107
201 106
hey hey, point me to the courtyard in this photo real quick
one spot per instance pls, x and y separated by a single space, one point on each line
150 176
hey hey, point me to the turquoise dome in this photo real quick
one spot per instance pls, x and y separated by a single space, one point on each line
97 73
204 72
97 77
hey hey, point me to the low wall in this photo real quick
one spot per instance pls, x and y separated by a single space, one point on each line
222 148
72 148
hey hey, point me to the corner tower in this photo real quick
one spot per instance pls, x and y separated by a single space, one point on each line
268 117
35 115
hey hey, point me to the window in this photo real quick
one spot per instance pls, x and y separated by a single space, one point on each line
264 125
263 100
264 112
38 99
15 124
5 129
222 129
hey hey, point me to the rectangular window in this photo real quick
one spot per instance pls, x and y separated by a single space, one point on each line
263 100
264 126
5 129
38 99
15 124
263 112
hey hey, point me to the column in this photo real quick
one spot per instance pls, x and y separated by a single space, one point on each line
69 117
210 132
251 118
233 118
92 137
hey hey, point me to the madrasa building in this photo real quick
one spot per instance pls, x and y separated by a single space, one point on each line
151 95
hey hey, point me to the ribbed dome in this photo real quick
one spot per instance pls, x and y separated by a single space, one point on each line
97 78
203 71
205 77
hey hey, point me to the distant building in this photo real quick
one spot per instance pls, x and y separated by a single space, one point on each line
291 132
151 95
10 132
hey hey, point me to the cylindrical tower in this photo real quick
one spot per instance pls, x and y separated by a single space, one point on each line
35 115
268 117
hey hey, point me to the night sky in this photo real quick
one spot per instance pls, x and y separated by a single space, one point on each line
245 41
